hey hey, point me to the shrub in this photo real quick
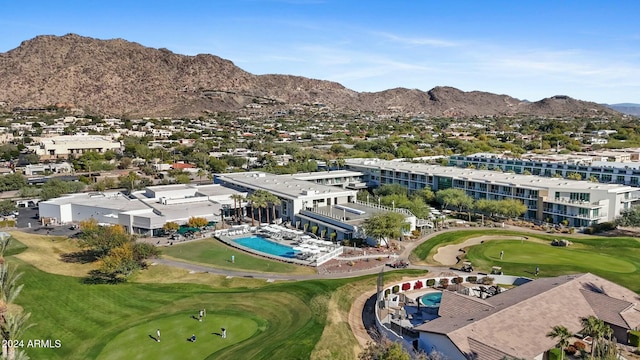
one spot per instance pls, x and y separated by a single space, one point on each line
387 292
417 285
555 354
395 289
472 279
444 282
570 350
457 280
487 280
7 223
598 228
431 282
634 338
579 345
406 286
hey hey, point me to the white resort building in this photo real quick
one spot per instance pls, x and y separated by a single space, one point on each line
580 203
143 212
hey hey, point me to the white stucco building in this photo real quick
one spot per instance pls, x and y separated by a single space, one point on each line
580 203
61 147
143 212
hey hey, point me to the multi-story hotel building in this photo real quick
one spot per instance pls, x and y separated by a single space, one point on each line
626 173
581 203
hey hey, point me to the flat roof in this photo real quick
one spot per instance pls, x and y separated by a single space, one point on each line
282 185
108 200
353 217
488 176
325 174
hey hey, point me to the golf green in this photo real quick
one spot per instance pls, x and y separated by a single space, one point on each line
518 252
175 331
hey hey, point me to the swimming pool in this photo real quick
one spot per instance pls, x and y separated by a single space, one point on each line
268 247
431 300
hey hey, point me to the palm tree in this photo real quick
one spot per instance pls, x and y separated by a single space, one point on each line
251 200
562 334
9 288
272 200
595 328
260 202
237 203
200 174
4 244
12 329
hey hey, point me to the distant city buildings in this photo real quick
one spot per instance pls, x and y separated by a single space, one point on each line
61 147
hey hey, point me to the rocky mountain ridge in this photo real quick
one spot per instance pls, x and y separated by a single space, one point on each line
118 77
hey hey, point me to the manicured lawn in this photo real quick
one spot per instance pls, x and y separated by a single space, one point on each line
424 252
616 259
282 320
176 331
524 254
213 252
276 321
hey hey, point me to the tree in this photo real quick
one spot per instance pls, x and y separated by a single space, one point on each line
271 201
183 179
129 182
426 194
171 226
201 173
384 349
13 328
511 208
593 178
7 207
574 176
197 222
562 334
391 189
252 199
259 200
629 217
9 288
237 204
450 197
99 240
125 163
383 226
595 328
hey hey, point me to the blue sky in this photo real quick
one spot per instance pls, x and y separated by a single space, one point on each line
589 50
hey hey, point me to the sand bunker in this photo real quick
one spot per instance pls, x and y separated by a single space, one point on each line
447 255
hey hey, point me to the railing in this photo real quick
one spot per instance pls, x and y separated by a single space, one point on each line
386 208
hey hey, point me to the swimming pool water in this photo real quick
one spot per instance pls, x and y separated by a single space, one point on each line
269 247
431 299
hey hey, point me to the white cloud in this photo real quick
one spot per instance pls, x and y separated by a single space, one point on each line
418 41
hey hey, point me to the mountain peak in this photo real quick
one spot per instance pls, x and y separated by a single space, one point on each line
119 77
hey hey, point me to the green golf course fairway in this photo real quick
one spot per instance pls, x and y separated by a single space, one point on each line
175 332
538 254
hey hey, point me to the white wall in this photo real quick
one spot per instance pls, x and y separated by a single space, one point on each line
47 210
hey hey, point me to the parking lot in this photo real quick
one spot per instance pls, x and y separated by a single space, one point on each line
28 221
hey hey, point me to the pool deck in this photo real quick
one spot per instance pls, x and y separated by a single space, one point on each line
229 237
